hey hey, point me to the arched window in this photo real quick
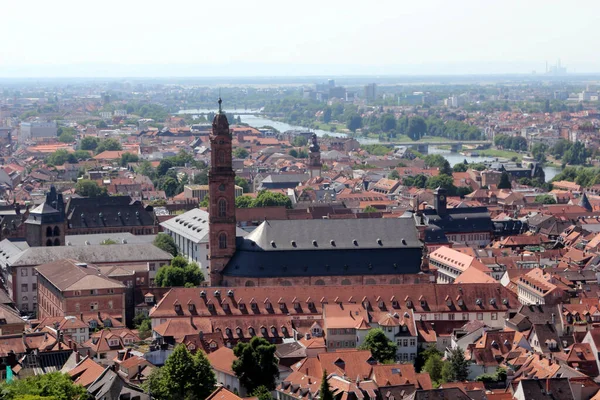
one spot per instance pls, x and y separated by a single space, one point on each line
57 242
286 283
319 282
346 282
24 299
249 283
56 231
221 157
395 281
370 282
222 240
49 242
49 231
222 207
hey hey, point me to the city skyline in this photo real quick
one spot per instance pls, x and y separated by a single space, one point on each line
434 38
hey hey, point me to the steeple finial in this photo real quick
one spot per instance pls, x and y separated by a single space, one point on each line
220 101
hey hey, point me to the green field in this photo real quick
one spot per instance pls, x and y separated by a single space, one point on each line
500 153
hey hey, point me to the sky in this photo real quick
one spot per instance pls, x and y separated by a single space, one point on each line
110 38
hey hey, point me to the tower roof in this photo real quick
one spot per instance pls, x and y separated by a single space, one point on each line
220 124
585 202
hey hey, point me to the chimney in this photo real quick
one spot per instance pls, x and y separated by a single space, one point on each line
70 342
81 316
77 357
192 322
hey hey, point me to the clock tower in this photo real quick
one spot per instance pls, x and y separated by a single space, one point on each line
221 191
440 202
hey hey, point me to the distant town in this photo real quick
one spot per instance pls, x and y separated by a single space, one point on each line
323 238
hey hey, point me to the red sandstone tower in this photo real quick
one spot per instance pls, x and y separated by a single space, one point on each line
221 181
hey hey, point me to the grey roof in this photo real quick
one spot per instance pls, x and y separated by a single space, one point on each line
193 225
339 247
334 234
98 238
461 220
286 178
90 254
555 388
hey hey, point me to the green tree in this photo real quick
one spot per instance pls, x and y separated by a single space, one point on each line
164 166
243 201
460 167
293 153
240 152
179 273
302 153
183 377
262 393
169 185
370 209
433 366
59 157
354 122
325 392
299 141
270 199
394 175
201 178
379 345
145 329
165 242
101 125
88 143
66 137
256 364
438 161
146 169
504 181
51 386
423 355
545 199
127 158
109 144
243 183
459 366
89 188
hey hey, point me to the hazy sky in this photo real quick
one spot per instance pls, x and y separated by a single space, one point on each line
264 37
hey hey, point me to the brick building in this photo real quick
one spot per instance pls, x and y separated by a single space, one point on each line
67 287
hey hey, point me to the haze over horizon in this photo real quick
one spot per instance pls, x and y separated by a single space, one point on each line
268 38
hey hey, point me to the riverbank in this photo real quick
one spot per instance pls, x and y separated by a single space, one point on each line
501 154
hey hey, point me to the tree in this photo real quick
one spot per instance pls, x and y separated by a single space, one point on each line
433 366
169 185
293 153
437 160
127 158
459 366
423 355
388 123
101 125
504 181
325 392
380 346
184 376
256 364
545 199
327 115
66 137
240 152
270 199
51 386
164 166
370 209
243 183
354 122
461 167
88 143
59 157
243 202
146 169
201 178
299 141
179 273
394 175
89 188
165 242
108 145
262 393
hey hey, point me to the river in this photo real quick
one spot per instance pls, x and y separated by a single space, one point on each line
452 157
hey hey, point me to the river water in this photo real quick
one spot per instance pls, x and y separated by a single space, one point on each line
452 157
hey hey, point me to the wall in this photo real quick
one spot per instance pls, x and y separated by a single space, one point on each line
328 280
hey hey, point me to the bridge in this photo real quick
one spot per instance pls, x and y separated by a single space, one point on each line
455 145
234 112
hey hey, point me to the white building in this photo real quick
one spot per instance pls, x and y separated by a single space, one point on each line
450 264
37 130
191 235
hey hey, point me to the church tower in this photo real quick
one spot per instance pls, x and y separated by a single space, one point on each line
314 158
221 182
46 224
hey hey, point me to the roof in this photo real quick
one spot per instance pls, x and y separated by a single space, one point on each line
457 220
222 360
114 253
221 393
86 372
108 211
325 247
72 275
193 225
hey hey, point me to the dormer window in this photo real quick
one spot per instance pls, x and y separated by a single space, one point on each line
380 304
423 303
191 307
263 331
251 331
273 331
409 304
242 306
394 304
282 306
461 303
449 303
254 306
228 331
296 305
211 307
268 305
177 307
149 299
226 307
238 331
311 304
493 301
478 302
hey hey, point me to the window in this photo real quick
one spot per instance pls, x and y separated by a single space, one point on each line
23 271
222 240
93 306
110 304
405 342
480 316
346 282
494 316
413 342
221 156
319 282
34 287
24 287
222 208
77 307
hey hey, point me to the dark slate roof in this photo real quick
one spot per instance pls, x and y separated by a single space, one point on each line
434 234
510 227
546 389
461 220
44 213
328 247
110 211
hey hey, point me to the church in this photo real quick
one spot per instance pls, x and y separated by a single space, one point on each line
302 252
